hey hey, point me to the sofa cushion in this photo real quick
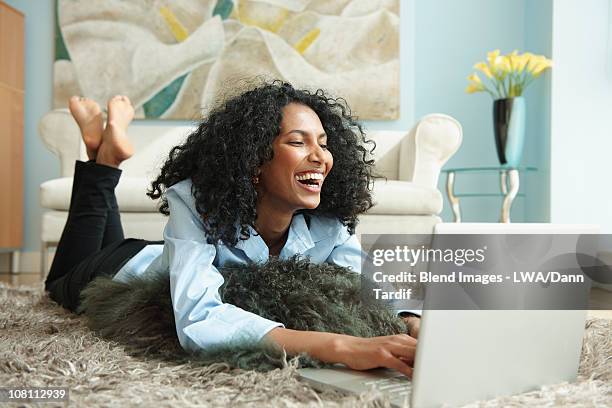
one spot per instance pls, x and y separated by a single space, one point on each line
131 194
390 197
149 225
405 198
143 225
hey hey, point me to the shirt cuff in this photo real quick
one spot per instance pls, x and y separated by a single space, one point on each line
266 329
247 326
238 327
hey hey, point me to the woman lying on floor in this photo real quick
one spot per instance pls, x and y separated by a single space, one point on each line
254 180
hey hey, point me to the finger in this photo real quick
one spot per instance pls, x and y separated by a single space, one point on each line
397 364
410 362
403 351
405 339
405 342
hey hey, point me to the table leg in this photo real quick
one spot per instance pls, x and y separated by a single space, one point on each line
15 262
510 191
452 199
503 182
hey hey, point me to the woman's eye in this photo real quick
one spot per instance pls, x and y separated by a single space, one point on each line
296 143
323 146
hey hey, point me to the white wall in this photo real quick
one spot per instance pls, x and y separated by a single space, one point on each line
581 114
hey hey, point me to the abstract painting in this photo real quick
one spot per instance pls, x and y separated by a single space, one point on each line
174 58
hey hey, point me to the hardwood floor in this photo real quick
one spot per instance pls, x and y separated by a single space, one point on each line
20 278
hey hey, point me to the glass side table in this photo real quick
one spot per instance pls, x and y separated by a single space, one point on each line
509 187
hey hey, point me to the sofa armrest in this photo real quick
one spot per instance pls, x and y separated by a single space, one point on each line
60 133
430 143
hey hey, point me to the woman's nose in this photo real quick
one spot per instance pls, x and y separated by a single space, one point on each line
317 154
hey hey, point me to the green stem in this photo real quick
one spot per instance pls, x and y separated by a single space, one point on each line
524 75
493 84
529 81
509 93
506 85
486 89
500 87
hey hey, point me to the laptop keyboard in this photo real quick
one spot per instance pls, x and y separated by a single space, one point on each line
396 387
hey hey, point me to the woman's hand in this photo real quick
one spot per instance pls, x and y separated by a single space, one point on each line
396 352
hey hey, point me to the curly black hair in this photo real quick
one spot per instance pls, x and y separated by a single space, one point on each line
235 139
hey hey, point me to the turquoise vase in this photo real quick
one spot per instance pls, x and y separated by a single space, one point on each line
509 128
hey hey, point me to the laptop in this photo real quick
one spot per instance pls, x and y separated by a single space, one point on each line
468 355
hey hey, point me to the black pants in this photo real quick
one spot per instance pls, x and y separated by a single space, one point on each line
92 243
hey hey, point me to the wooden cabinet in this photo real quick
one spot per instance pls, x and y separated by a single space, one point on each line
11 127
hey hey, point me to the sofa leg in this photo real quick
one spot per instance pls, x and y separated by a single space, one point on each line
44 257
15 262
43 260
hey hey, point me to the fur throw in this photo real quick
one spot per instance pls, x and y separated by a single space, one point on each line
300 294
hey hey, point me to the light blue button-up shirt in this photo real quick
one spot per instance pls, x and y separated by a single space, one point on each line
202 319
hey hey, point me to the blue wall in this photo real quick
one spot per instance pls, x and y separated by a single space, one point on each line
451 36
440 41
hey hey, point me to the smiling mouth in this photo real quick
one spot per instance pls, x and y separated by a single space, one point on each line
310 181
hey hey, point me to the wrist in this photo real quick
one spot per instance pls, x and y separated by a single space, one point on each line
338 343
329 347
320 345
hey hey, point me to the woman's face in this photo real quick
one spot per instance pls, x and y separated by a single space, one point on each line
293 179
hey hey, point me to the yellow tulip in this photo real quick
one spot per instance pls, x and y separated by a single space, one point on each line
492 57
522 62
474 78
498 64
503 63
513 60
534 61
472 88
508 73
484 68
541 67
512 63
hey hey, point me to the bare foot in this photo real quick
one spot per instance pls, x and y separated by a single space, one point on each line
87 114
115 146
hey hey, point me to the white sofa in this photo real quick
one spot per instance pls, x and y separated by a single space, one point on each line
407 202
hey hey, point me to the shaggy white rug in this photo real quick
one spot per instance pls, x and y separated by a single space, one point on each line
41 344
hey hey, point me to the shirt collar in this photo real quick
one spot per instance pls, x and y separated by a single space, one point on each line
254 247
299 240
322 228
